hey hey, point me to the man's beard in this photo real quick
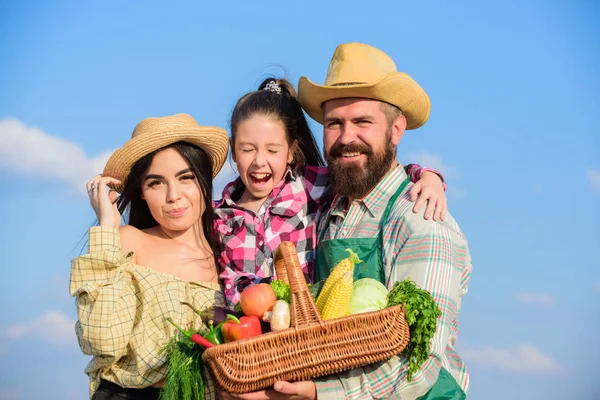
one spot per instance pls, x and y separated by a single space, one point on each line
350 179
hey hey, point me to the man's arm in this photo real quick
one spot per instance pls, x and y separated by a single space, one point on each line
434 258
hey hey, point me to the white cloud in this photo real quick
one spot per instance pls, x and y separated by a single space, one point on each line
58 328
30 150
541 299
450 173
523 358
10 394
594 178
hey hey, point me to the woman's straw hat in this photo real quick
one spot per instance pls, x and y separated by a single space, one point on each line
155 133
360 70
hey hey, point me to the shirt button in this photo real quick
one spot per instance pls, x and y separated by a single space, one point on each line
260 243
228 286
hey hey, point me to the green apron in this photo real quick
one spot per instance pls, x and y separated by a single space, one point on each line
370 251
445 388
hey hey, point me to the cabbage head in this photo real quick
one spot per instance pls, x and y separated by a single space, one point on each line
367 295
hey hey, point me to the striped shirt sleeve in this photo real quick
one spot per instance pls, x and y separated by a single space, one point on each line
415 171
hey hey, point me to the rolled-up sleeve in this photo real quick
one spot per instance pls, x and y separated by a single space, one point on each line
106 302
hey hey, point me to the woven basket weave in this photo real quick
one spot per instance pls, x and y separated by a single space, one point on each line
311 347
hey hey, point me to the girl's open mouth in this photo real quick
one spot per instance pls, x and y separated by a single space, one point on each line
260 179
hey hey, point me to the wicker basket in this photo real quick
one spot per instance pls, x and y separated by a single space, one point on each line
311 347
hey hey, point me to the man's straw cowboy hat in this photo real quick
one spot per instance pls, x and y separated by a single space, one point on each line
360 70
155 133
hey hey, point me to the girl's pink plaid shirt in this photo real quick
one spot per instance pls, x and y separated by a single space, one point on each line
290 213
249 239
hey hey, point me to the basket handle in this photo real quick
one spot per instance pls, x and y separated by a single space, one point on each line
288 269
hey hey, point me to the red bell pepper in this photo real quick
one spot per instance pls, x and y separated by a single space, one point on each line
242 328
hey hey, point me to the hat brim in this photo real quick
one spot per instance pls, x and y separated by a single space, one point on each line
397 89
212 140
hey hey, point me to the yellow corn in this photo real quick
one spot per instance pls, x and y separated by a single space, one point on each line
338 300
335 279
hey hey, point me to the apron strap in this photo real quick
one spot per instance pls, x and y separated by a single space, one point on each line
384 221
388 209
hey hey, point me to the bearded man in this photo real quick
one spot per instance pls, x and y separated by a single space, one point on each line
365 107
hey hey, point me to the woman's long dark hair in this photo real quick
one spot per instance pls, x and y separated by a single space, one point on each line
135 210
285 108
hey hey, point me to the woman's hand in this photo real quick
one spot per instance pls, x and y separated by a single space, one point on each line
104 201
430 189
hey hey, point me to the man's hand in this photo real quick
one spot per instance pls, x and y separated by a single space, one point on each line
281 390
430 189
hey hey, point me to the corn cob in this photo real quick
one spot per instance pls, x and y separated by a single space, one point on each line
338 300
345 265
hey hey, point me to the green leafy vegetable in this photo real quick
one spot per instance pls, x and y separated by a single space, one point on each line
282 290
421 314
368 294
184 379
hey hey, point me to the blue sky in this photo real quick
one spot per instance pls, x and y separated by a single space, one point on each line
515 97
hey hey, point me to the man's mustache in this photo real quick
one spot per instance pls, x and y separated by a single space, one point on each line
337 149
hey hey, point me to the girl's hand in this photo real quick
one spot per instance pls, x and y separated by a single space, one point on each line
104 201
430 189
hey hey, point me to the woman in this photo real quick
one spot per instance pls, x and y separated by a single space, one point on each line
136 276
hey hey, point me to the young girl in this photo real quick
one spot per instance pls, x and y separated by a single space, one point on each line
136 276
282 188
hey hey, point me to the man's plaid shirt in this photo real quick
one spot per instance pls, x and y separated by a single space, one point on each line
435 255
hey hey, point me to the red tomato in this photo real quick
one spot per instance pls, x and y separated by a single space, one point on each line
257 299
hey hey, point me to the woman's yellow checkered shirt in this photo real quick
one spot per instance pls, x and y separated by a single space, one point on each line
123 309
